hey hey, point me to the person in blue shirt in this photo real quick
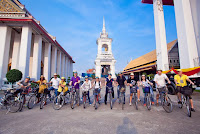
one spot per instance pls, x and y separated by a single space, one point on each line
109 83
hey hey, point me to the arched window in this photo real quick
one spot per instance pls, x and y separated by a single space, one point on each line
104 48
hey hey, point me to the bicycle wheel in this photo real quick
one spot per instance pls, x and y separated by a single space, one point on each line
72 101
22 98
148 102
188 106
96 101
167 104
58 102
84 102
42 101
13 104
122 101
136 101
110 95
31 101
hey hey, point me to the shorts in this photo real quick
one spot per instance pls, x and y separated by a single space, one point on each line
159 90
133 90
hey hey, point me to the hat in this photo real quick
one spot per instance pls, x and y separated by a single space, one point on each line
28 77
132 74
75 72
97 77
86 77
55 74
110 74
143 75
62 78
179 70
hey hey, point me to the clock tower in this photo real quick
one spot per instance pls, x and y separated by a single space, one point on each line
105 62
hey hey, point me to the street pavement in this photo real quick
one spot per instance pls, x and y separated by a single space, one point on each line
103 120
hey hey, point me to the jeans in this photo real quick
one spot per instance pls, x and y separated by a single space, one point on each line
88 94
118 92
152 94
107 94
55 91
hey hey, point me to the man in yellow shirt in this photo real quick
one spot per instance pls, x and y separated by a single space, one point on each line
181 81
62 86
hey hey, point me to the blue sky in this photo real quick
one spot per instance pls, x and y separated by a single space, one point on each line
78 23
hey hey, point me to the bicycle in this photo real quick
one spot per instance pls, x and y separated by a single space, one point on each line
33 98
186 92
60 100
165 100
10 101
147 97
122 96
85 95
110 91
134 92
74 97
96 97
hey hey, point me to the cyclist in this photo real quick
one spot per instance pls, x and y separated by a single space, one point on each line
181 81
121 82
62 86
109 83
97 85
132 82
42 86
55 84
160 82
86 86
24 85
146 83
75 80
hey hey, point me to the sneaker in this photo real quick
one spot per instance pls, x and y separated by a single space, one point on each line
105 103
145 105
192 109
179 102
90 104
139 100
157 104
130 104
152 103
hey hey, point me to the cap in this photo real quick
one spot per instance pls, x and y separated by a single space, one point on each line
110 74
55 74
132 74
143 75
159 69
62 78
179 70
97 77
28 77
86 77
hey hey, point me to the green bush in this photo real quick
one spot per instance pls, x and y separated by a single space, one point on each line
14 75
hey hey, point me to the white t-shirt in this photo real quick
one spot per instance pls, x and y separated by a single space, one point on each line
97 84
86 86
55 82
160 79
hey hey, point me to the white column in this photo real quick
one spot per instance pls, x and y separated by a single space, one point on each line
187 42
59 63
66 67
112 67
47 61
161 43
16 50
63 65
54 61
5 38
37 55
25 47
98 69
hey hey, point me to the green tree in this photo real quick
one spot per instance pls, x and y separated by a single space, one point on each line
13 76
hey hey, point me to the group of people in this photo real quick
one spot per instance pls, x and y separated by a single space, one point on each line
160 80
59 85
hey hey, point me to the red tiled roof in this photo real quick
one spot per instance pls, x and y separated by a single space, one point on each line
165 2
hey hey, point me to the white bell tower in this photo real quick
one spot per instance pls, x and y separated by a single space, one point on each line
105 62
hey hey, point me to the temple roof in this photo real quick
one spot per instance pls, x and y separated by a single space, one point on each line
146 59
165 2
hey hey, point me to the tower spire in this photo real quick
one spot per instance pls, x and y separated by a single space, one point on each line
104 27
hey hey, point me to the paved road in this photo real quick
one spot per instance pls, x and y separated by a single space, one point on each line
103 120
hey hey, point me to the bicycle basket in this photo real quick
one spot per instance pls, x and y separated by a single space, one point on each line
84 93
186 91
133 89
146 90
